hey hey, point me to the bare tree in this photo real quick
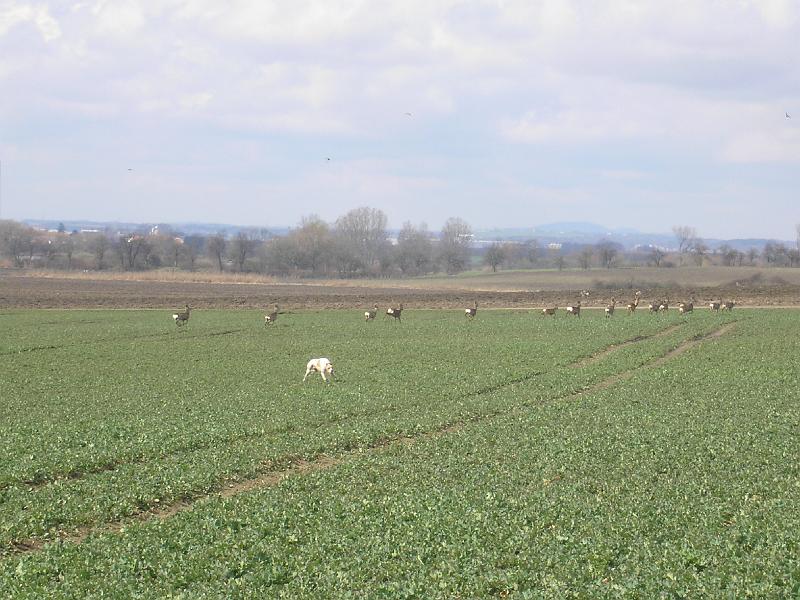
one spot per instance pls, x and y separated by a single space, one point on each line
532 251
314 244
16 240
192 247
752 256
49 249
280 255
495 256
729 255
98 245
585 257
656 256
131 248
775 253
242 246
362 238
797 229
686 236
414 251
607 253
793 256
215 246
67 247
454 245
556 256
699 251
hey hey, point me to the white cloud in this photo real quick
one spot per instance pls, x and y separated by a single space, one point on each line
13 14
117 17
613 81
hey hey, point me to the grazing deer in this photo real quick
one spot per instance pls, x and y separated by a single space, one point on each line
610 308
270 318
727 305
182 317
575 309
471 312
633 305
663 306
371 314
550 311
686 307
714 306
395 312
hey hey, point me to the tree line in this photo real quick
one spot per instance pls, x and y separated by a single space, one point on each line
357 244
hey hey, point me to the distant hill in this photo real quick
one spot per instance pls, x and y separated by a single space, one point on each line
578 233
178 228
569 233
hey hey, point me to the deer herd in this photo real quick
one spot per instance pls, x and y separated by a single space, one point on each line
181 318
656 306
324 367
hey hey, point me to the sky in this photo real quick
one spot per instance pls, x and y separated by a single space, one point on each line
505 113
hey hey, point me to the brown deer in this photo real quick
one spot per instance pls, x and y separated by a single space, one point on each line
610 308
395 312
182 317
371 314
270 318
633 305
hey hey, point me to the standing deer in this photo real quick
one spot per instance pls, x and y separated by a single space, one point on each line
471 312
395 312
633 305
610 308
371 314
269 319
182 317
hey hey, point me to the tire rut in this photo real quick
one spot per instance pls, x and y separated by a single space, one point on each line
598 356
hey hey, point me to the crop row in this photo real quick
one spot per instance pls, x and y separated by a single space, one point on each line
109 456
681 481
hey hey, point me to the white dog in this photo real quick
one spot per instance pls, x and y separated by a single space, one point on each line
322 366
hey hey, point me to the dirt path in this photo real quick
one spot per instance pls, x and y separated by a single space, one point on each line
321 462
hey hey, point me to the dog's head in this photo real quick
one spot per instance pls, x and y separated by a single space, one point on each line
329 368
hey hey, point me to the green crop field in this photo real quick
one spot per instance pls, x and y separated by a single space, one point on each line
514 456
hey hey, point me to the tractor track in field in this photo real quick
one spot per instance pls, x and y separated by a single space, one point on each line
158 337
321 462
598 356
37 483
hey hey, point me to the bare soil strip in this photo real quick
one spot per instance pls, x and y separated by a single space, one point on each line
321 462
595 358
96 291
